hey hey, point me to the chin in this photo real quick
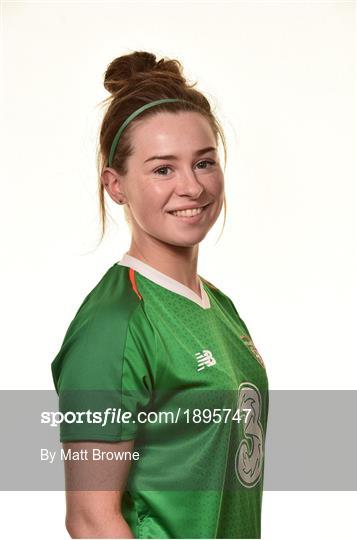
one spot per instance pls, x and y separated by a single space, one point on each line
188 240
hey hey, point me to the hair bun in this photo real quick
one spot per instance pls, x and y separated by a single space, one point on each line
130 68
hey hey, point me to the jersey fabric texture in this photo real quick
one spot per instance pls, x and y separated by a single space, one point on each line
143 341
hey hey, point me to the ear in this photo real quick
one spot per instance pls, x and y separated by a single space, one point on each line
113 184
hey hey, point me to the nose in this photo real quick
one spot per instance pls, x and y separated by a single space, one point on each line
187 184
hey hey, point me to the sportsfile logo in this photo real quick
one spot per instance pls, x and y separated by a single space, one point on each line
204 359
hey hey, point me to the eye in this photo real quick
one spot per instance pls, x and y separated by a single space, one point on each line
161 169
206 161
165 167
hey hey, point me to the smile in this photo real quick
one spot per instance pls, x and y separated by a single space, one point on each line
191 212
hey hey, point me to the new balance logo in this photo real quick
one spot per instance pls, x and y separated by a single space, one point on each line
204 359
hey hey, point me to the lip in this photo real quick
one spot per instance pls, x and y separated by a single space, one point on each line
192 219
187 208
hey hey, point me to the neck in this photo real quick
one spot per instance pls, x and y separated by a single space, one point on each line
177 262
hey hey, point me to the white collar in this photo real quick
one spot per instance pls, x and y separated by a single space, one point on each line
166 281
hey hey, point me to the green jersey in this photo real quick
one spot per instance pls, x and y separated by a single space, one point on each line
150 344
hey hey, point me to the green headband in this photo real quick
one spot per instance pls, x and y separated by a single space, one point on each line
130 118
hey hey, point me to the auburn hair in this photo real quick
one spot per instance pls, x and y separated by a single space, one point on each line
133 80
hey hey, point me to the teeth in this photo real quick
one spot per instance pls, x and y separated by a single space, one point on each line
187 213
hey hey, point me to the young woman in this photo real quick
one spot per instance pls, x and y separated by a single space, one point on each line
153 336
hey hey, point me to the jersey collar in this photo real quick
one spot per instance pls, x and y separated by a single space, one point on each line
165 281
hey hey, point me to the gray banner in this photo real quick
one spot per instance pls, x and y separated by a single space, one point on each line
310 445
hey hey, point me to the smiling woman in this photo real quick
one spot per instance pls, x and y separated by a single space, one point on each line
153 336
160 197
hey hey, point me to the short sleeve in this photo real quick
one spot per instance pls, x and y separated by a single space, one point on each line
104 367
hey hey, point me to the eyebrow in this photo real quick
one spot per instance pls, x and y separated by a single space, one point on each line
198 153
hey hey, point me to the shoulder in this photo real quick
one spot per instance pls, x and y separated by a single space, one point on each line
96 337
220 296
110 302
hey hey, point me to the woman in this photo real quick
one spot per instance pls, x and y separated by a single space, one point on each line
154 336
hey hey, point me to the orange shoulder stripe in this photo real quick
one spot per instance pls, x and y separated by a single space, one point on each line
133 282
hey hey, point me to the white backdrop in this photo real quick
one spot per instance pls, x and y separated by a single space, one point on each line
281 76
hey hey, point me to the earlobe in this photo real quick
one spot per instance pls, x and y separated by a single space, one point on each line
118 198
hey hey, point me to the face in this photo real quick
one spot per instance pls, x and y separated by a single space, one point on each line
174 186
